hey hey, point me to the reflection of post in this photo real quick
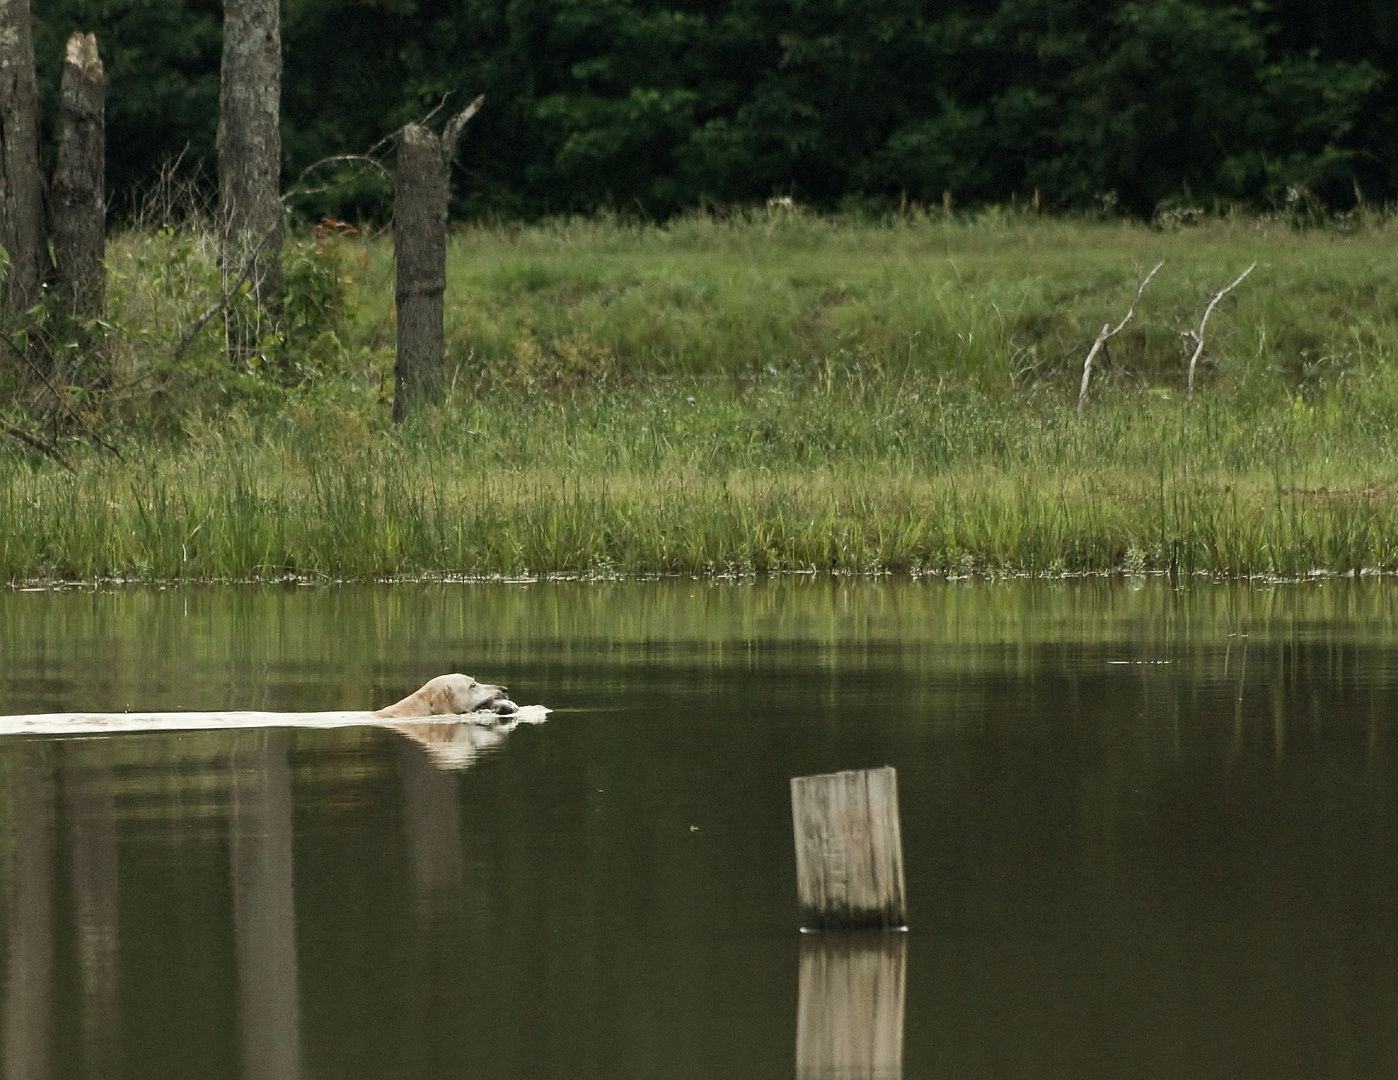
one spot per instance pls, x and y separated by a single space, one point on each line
849 1021
29 982
264 910
90 809
432 821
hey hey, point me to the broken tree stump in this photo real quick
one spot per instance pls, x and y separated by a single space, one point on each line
420 254
79 187
422 190
849 850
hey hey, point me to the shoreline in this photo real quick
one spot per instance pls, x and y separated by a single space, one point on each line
743 398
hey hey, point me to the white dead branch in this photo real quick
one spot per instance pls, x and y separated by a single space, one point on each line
1199 337
1106 335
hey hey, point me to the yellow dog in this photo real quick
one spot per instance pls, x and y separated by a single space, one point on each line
451 695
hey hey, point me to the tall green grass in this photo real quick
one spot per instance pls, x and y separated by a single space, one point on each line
776 392
1000 301
782 475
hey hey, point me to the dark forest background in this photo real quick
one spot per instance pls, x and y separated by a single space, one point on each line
652 106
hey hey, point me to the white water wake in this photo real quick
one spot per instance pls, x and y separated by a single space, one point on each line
452 741
131 722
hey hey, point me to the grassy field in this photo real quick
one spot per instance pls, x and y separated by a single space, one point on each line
773 392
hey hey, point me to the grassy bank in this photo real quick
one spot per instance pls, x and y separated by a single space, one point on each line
779 392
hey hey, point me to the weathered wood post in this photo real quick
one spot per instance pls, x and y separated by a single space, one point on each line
22 230
79 186
849 850
249 169
851 1004
421 192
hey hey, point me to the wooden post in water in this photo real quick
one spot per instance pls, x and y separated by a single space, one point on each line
849 1020
849 850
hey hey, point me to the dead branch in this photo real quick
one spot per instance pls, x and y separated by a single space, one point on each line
249 266
452 132
1199 337
370 159
369 162
176 197
1107 334
35 443
60 399
435 110
23 356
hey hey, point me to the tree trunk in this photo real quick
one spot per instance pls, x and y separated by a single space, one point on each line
249 170
22 229
79 189
420 253
420 197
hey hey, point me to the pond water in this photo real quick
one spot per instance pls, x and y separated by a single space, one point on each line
1148 832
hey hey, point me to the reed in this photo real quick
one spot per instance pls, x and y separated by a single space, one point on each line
789 477
769 393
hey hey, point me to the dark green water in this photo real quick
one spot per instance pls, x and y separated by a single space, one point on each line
1148 833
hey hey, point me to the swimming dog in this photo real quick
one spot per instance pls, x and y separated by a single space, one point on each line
451 695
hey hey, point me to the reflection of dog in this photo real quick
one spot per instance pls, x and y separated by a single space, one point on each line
453 745
454 718
451 695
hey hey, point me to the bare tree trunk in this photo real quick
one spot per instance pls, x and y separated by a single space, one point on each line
249 168
79 188
420 254
420 197
22 229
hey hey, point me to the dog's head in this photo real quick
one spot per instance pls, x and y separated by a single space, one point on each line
462 694
452 695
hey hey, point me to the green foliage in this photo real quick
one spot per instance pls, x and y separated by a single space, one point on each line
316 304
157 365
767 391
652 106
861 474
162 64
